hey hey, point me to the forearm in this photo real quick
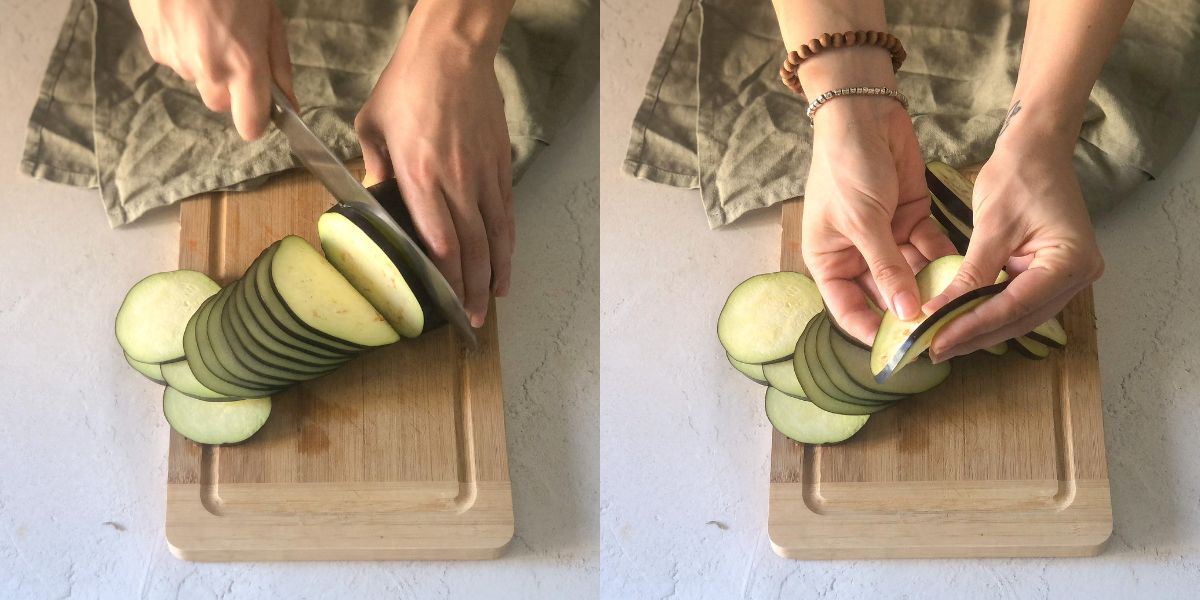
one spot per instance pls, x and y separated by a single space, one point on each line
461 28
1066 44
803 20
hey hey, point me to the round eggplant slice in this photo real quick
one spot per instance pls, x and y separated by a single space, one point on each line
151 371
1030 348
215 423
282 315
156 310
204 365
837 375
807 348
230 359
802 421
781 375
765 315
1050 333
179 376
754 372
918 377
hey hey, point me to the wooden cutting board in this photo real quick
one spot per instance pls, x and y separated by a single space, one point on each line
1005 459
398 455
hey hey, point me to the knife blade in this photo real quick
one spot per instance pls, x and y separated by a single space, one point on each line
349 191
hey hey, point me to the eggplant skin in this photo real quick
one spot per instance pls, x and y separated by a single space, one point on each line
955 205
935 318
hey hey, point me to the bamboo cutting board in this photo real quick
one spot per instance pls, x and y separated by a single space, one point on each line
398 455
1005 459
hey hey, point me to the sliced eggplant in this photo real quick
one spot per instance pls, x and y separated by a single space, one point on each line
254 336
1030 348
817 396
913 341
321 299
152 371
156 310
765 315
939 206
836 373
781 375
952 189
918 377
754 372
215 423
204 364
222 350
999 349
253 356
274 318
1050 333
377 270
179 376
803 421
959 239
899 342
806 349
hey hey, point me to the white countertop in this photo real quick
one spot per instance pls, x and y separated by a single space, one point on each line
83 458
686 447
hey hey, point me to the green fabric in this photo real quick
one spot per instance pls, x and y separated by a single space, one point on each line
715 115
108 117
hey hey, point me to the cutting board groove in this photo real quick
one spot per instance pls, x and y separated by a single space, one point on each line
1005 459
398 455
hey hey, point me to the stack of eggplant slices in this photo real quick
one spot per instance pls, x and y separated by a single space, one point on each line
822 383
293 316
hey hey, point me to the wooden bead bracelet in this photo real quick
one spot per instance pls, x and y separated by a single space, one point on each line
847 39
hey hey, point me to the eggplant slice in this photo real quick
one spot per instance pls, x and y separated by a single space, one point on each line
805 422
752 371
156 310
215 423
152 371
765 315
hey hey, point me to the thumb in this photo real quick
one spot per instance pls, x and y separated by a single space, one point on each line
891 272
986 255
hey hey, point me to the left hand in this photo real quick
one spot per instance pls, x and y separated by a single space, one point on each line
435 121
1030 217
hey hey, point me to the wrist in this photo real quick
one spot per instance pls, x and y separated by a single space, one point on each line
457 32
1034 125
846 67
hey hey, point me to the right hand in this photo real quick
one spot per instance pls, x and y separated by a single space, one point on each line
867 225
231 50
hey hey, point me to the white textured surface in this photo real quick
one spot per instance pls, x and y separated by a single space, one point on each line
83 458
686 447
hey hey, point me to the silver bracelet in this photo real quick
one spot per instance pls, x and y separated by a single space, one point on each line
854 91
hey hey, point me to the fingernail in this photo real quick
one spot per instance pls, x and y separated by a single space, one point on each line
906 305
477 320
502 290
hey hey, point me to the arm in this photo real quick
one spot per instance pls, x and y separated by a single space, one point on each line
435 121
866 211
231 50
1030 213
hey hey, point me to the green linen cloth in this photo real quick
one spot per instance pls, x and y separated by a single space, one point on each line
108 117
715 115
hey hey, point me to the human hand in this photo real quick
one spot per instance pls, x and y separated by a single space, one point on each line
231 50
867 226
1029 215
435 121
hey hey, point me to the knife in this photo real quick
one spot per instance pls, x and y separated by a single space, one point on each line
349 192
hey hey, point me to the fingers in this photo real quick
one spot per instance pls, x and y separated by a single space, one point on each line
1006 332
250 95
279 58
377 163
986 255
476 255
890 270
214 95
496 218
930 240
847 305
431 217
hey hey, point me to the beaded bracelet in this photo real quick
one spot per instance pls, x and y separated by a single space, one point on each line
847 39
820 101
